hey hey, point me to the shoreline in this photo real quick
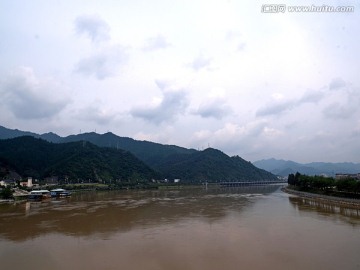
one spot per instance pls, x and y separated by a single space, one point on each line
343 202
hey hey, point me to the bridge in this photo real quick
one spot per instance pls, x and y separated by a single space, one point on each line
248 183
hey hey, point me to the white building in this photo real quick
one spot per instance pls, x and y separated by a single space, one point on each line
28 183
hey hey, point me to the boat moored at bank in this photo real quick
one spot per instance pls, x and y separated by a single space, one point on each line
38 195
60 193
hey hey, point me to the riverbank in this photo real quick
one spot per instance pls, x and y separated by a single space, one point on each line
353 203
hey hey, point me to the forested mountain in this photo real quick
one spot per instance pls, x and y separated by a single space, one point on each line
6 133
149 152
286 167
29 156
212 165
170 161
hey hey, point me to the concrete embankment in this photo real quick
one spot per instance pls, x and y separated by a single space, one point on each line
354 203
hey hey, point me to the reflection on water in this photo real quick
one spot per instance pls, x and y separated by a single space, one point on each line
236 228
332 211
105 212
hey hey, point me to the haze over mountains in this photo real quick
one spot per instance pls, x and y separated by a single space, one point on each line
285 167
167 161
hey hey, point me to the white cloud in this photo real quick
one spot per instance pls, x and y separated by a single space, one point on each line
275 108
286 77
244 139
282 105
30 97
156 43
337 83
93 26
96 114
272 132
104 63
172 104
338 111
163 84
356 130
344 102
201 62
213 108
236 38
312 96
106 60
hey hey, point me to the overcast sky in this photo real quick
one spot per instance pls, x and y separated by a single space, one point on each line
191 73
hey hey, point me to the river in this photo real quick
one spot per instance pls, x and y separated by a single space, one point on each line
233 228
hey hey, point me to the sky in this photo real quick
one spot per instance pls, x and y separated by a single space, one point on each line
197 74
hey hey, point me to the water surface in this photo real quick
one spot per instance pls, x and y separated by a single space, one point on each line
237 228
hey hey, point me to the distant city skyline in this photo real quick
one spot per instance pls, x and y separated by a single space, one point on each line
229 74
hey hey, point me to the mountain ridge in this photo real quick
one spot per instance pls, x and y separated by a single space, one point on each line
285 167
237 169
35 157
170 161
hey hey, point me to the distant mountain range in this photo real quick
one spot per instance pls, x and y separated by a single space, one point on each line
286 167
166 161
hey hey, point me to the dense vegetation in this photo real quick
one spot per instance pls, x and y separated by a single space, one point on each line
327 185
212 165
170 161
6 193
149 152
77 161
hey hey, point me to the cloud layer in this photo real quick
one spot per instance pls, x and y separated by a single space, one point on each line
93 27
104 63
171 105
220 73
29 97
156 43
213 108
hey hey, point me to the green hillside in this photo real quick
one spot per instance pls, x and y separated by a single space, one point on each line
149 152
171 161
80 161
212 165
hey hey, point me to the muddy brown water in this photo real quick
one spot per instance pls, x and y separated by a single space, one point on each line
234 228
